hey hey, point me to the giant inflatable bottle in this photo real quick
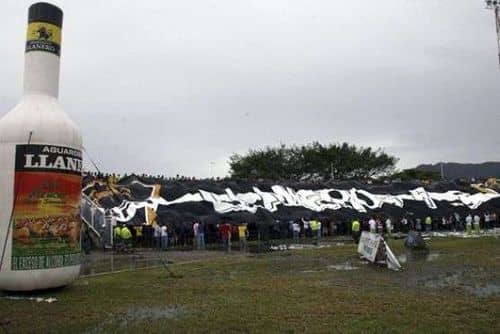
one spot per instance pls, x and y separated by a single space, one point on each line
40 170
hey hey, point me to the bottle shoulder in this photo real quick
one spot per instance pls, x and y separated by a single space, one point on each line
44 118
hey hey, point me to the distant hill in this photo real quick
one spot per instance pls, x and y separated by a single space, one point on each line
454 170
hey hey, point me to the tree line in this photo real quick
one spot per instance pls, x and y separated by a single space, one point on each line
313 162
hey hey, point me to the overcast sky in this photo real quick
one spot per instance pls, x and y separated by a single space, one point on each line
176 87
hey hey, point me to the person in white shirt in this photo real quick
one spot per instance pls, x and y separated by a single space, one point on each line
404 225
477 226
418 224
195 234
157 236
296 231
373 225
388 227
164 237
468 224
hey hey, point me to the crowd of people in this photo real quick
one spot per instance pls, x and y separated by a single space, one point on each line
196 235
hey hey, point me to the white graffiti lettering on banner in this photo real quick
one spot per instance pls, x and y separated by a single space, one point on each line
314 200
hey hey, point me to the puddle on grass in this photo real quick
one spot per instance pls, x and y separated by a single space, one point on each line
444 281
36 299
305 246
432 257
343 267
461 280
418 256
138 314
483 291
152 313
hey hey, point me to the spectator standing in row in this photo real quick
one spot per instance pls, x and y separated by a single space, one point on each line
200 237
164 237
373 225
428 223
306 224
444 222
388 227
418 224
126 235
435 223
195 234
138 236
404 225
458 222
157 236
296 231
315 230
486 220
356 230
225 234
290 228
116 235
477 222
380 226
242 237
494 219
468 224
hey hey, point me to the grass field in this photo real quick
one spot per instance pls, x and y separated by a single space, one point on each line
454 290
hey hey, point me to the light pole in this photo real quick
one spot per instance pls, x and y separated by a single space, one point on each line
495 6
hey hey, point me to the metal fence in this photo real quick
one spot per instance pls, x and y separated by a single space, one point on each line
98 221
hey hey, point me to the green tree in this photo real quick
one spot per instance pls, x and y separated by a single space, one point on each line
312 161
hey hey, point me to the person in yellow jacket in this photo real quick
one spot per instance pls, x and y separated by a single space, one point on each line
356 230
117 235
138 235
242 237
428 223
126 235
315 230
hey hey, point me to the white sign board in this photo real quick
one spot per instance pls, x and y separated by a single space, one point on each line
368 245
391 259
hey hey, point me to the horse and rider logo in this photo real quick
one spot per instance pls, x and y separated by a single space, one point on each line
43 33
43 36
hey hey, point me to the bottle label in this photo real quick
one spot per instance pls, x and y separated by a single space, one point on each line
43 36
46 218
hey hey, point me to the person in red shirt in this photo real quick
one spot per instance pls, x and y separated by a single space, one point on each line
225 234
